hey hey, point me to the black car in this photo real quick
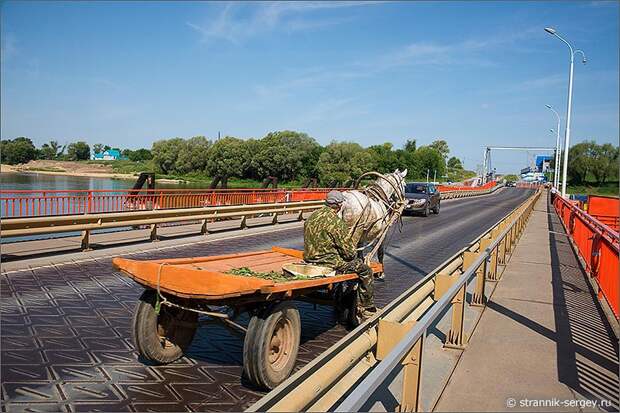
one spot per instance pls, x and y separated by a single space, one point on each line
422 198
511 184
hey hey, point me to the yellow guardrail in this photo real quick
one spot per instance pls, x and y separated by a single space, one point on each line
13 227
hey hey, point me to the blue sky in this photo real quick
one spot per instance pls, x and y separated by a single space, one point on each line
475 74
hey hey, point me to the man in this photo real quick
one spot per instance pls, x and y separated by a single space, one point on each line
326 243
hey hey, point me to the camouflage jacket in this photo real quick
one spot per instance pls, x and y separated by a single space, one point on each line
326 240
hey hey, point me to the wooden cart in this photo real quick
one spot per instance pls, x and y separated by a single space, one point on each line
179 290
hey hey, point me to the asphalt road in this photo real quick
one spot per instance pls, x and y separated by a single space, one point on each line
66 341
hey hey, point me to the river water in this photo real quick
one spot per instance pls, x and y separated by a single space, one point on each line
34 181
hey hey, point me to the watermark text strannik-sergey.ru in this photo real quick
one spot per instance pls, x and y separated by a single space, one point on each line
555 402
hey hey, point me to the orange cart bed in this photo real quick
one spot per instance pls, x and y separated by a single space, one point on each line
206 278
179 290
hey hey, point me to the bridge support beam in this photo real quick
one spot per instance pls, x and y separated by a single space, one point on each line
85 242
153 235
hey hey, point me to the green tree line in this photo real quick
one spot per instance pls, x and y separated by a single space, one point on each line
287 155
290 156
294 156
23 150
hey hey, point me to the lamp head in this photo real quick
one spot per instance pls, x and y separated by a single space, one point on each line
548 106
584 61
551 130
550 30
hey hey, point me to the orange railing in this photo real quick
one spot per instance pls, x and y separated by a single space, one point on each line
598 246
29 203
448 188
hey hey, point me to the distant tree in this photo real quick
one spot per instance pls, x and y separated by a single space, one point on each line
511 177
250 168
78 151
384 158
50 150
342 161
442 147
18 150
97 148
285 154
47 152
137 155
227 157
605 162
165 153
106 148
193 155
410 145
455 163
581 161
429 159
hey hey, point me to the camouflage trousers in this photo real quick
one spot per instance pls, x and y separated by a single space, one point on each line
365 290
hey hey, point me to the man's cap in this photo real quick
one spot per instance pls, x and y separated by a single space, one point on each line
334 198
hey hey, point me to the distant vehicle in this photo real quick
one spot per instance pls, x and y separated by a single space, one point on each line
511 184
422 198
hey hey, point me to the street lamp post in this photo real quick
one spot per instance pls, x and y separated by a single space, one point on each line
553 32
556 178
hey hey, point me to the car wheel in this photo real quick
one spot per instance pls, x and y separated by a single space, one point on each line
436 209
426 211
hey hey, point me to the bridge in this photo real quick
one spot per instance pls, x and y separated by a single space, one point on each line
508 296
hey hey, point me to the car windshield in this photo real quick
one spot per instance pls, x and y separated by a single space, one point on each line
415 188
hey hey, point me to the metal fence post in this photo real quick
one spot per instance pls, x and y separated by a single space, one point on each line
501 253
90 200
455 337
478 298
244 222
412 378
203 229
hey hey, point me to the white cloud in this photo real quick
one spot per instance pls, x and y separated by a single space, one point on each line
469 52
237 22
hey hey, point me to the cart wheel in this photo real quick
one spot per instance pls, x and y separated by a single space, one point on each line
271 344
162 337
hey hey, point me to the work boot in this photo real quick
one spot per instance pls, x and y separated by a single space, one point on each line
366 313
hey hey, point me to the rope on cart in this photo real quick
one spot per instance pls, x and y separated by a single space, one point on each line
161 300
159 297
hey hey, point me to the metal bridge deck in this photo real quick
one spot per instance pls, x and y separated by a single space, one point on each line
66 340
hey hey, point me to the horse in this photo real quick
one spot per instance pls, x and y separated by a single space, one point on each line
370 212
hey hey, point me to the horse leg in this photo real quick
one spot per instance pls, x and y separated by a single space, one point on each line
380 253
